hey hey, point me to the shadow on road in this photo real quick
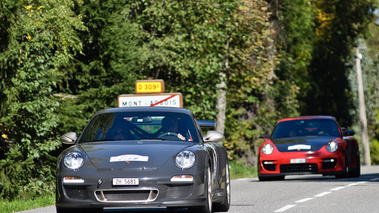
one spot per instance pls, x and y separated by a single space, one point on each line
368 174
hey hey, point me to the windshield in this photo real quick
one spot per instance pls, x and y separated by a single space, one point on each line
140 125
306 127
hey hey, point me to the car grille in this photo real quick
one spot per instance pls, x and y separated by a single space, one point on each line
77 193
301 167
130 195
269 167
328 164
178 191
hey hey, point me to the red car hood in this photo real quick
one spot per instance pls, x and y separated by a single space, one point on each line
309 143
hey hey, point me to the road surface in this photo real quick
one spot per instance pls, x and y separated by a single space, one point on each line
296 194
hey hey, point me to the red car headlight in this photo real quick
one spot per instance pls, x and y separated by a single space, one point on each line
267 149
332 146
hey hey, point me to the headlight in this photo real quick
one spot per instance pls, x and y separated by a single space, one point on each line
185 159
73 160
267 149
332 146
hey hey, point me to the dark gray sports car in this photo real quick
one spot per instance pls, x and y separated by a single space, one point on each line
143 157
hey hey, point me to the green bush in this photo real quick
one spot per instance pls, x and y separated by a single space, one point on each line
374 152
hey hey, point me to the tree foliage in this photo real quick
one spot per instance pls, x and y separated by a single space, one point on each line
38 38
338 25
370 70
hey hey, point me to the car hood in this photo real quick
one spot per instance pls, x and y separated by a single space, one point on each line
309 143
137 154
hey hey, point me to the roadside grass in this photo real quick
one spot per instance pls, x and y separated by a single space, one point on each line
26 204
241 170
237 170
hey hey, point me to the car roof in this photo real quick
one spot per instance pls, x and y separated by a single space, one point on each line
308 117
151 109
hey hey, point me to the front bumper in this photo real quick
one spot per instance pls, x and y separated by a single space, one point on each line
154 190
297 163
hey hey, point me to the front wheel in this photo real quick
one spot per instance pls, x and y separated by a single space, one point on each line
225 204
346 172
356 172
208 194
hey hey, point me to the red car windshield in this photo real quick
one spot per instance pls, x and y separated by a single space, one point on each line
306 127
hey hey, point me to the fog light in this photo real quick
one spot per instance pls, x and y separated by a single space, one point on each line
72 179
268 162
182 178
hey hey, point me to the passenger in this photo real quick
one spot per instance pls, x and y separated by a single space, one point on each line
120 134
328 129
120 131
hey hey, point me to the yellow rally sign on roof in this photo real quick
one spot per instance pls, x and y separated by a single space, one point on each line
150 86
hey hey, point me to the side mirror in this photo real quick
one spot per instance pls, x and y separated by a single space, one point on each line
264 136
348 133
213 136
69 138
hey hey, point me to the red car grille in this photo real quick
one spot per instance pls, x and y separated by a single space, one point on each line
303 167
329 164
269 167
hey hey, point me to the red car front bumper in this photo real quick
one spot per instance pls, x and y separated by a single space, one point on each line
301 162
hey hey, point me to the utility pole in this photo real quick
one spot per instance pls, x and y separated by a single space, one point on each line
362 112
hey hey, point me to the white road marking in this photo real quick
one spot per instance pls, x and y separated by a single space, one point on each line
322 194
304 200
338 188
354 184
285 208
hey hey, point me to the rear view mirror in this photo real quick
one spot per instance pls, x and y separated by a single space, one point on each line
69 138
264 136
146 119
213 136
348 133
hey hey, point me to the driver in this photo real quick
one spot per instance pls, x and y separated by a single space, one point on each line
171 125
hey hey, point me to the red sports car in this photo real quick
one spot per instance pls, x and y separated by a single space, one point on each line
308 145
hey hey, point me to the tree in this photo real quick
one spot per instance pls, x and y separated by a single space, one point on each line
338 25
293 24
370 71
108 66
195 46
38 38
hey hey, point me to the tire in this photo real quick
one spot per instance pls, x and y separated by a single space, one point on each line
346 172
225 204
208 194
356 172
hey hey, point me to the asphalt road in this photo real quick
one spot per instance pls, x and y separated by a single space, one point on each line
296 194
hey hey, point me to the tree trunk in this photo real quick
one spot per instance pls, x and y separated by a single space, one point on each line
221 98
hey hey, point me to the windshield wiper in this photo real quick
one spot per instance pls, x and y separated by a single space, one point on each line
152 139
